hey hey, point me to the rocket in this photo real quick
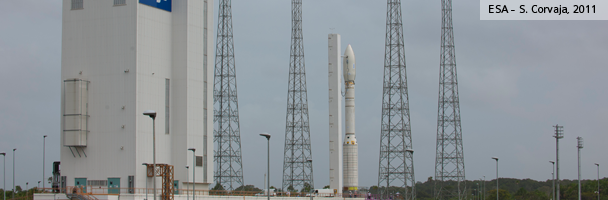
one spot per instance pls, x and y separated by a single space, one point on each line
350 149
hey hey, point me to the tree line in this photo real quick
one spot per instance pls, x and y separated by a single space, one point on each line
510 189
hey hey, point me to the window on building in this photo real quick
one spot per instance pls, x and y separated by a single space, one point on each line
120 2
199 161
77 4
167 94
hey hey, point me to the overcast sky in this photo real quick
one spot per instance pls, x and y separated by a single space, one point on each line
516 80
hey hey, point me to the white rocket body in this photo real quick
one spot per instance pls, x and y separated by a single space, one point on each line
351 152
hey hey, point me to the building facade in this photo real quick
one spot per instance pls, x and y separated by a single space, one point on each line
120 58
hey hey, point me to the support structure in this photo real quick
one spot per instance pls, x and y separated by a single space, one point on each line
297 171
449 160
396 164
227 155
166 172
335 110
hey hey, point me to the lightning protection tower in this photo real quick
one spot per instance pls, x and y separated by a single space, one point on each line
396 166
227 155
297 164
449 160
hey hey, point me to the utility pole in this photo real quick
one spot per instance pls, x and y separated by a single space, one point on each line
227 155
559 134
579 147
297 172
396 164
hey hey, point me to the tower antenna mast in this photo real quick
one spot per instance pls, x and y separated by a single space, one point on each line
227 155
297 162
449 160
396 165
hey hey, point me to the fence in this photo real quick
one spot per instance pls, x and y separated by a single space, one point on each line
95 190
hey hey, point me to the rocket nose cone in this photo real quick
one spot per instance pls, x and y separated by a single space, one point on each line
349 53
349 50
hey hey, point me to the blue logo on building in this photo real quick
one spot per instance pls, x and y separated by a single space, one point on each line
161 4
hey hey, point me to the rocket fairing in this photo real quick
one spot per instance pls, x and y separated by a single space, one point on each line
350 149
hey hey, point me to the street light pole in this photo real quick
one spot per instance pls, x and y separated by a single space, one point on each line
412 194
4 174
193 171
146 164
15 149
552 174
43 157
579 147
311 184
481 186
484 187
187 187
478 191
152 114
598 181
496 158
268 166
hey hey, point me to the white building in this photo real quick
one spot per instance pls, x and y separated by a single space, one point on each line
120 58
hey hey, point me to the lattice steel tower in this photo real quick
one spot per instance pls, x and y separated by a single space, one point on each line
396 166
227 154
297 169
449 160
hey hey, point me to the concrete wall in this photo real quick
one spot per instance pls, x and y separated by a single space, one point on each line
98 45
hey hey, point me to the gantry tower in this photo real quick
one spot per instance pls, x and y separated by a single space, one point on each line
227 154
396 168
297 164
449 161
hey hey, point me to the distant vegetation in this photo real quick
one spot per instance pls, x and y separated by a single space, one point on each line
510 188
19 193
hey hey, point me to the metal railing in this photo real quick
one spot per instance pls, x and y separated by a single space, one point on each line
77 192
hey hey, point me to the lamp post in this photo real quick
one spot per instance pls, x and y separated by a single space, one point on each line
478 191
481 186
4 174
553 178
152 114
146 164
598 181
268 166
187 187
579 146
412 194
15 149
484 187
496 158
38 184
311 184
43 158
193 171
